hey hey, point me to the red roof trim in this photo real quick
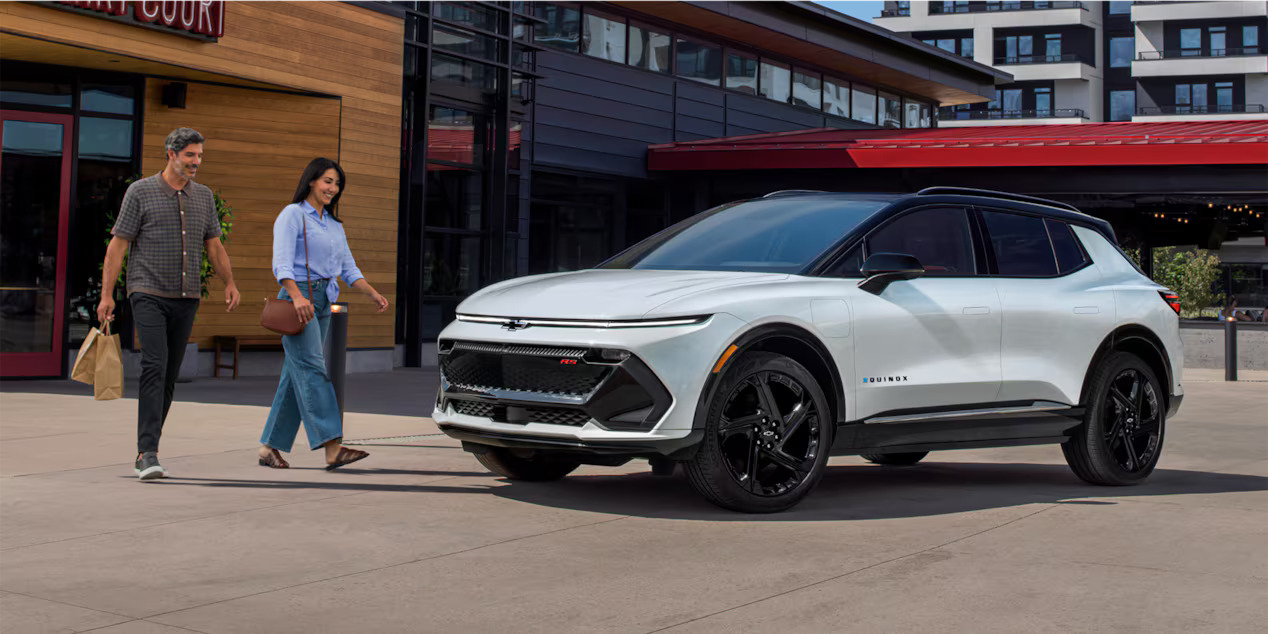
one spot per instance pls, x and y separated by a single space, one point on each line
1204 143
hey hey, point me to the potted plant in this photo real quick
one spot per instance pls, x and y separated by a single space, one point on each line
224 214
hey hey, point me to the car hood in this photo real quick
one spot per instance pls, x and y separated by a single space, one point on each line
601 294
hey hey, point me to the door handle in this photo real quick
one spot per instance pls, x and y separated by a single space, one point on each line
977 310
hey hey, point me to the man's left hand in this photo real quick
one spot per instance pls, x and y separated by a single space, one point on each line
232 297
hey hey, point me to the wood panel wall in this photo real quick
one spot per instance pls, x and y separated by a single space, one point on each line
259 141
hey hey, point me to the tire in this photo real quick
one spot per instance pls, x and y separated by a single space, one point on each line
895 459
754 462
527 465
1120 440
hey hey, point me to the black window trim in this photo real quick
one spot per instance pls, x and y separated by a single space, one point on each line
990 247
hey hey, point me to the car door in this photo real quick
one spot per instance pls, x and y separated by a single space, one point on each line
1055 313
932 342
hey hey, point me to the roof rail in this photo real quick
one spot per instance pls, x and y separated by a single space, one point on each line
990 193
791 192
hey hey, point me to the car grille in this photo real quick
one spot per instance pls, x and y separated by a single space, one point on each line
547 415
476 365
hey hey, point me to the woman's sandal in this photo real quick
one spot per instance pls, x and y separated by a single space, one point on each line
345 457
274 461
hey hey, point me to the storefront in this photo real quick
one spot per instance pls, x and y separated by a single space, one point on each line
89 90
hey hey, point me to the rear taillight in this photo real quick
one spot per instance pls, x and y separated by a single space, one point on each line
1172 300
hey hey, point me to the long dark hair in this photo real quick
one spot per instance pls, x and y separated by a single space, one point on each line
315 169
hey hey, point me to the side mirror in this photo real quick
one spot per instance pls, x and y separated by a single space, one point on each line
881 269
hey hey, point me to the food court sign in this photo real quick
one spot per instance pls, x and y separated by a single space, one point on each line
199 19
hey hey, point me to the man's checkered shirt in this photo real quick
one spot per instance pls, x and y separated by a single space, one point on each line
166 229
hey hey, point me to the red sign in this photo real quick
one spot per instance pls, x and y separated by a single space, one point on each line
204 19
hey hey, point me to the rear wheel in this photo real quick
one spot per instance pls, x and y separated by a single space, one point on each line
526 464
767 436
895 459
1120 440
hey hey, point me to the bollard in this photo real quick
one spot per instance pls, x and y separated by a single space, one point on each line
1230 349
338 363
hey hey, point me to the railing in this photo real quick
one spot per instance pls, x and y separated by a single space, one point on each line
946 114
896 13
1241 108
1179 53
1041 59
938 8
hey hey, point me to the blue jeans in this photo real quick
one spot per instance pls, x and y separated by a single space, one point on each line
305 391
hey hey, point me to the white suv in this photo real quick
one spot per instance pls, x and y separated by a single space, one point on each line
752 341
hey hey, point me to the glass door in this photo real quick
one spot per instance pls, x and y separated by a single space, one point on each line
35 153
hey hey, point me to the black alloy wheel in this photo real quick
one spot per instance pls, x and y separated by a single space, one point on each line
767 437
1121 438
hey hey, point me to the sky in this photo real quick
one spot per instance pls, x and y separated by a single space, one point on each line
863 10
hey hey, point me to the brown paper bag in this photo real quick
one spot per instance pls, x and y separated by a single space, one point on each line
86 362
108 376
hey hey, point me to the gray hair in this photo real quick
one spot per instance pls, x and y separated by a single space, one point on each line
181 137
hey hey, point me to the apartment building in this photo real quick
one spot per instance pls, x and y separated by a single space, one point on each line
1083 62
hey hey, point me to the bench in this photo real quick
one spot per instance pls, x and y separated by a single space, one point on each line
237 343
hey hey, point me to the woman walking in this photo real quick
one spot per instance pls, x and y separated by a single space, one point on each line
309 250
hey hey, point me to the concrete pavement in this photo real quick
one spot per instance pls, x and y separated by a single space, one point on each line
419 538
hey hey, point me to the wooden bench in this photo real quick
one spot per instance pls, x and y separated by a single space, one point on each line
237 343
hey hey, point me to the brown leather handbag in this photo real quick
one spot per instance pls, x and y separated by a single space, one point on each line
279 314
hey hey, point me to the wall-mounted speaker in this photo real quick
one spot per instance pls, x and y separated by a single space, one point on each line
174 95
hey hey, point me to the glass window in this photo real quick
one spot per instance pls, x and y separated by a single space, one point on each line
863 104
1250 40
925 112
1120 7
947 45
455 197
836 97
807 89
1021 244
649 49
741 73
461 71
699 62
603 37
1224 96
938 237
776 80
1122 105
911 114
1218 36
454 40
35 93
764 235
105 139
966 47
1052 47
1012 100
562 28
1043 102
1182 95
451 263
1070 255
1190 42
891 110
471 14
112 99
456 136
1199 96
1122 50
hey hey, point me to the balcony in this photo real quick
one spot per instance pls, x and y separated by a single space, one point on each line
1047 67
936 8
1167 11
1041 59
949 118
1186 62
896 13
1209 112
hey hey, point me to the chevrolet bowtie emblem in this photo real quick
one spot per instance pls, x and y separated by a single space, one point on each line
515 324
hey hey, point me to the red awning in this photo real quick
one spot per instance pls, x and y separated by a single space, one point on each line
1180 143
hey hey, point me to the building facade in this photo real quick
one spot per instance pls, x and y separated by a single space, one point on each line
1086 62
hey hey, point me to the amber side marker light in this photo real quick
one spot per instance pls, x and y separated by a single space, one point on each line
1172 300
725 355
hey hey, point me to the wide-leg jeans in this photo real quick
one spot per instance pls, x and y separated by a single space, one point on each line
305 393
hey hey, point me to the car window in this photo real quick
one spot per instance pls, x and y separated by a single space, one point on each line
1021 244
937 236
1070 255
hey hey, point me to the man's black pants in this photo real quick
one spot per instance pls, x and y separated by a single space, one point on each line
163 326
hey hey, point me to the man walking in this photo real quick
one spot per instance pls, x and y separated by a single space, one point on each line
166 221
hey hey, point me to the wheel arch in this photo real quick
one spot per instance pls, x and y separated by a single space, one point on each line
795 343
1141 342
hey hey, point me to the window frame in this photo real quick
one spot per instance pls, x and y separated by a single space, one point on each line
993 259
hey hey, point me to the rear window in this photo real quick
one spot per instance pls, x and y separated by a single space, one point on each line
1021 244
1070 255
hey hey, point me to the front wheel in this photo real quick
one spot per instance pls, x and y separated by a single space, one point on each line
526 464
1120 440
767 436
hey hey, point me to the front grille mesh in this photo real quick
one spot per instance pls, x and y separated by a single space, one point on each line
473 408
558 416
545 369
548 415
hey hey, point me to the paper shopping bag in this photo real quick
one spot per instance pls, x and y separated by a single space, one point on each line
86 362
108 376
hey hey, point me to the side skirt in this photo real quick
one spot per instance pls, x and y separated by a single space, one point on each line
975 432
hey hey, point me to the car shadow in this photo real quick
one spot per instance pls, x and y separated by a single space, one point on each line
863 492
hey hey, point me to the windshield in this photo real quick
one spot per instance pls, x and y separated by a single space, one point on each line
779 235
